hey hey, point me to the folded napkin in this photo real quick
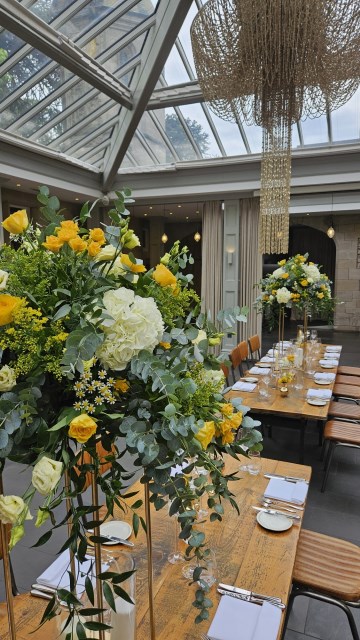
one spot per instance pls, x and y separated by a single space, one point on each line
56 575
271 352
241 620
282 490
285 344
324 394
327 361
268 359
324 376
335 348
259 371
243 386
332 355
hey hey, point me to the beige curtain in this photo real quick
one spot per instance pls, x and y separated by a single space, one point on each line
212 260
250 268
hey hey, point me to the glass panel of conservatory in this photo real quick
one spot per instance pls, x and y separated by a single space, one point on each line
22 71
184 36
174 71
230 136
346 120
315 130
200 130
178 136
154 139
139 153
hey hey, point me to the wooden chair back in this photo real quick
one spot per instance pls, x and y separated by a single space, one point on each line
254 347
243 350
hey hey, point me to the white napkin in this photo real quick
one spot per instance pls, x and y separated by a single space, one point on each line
271 352
241 620
334 348
267 359
244 386
282 490
324 394
332 355
57 577
285 344
324 376
260 371
329 362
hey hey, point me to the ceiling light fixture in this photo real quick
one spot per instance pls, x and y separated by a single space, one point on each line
164 238
331 231
197 236
270 64
18 184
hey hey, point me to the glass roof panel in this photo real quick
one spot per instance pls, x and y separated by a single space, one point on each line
201 131
315 130
178 136
346 120
156 137
230 136
139 154
46 10
174 71
22 71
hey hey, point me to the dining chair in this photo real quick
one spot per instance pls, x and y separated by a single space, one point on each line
344 379
346 392
254 348
237 357
338 434
349 371
344 411
327 569
226 371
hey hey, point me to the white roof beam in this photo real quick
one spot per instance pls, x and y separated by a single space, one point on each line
169 18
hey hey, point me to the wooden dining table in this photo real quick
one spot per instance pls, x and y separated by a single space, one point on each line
247 555
293 406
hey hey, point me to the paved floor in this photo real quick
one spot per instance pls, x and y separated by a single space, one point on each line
337 512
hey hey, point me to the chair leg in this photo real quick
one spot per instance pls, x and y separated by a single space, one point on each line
320 426
288 611
324 449
338 603
327 464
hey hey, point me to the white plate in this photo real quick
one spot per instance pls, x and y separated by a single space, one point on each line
266 365
249 379
116 528
327 366
322 381
274 522
317 402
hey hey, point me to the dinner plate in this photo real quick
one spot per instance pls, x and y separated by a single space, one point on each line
317 402
266 365
322 381
327 366
249 379
117 528
274 522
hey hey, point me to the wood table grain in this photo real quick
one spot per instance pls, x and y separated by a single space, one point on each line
247 556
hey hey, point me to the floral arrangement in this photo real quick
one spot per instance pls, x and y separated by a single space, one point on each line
296 283
96 349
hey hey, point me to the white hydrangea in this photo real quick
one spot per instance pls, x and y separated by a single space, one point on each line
311 271
135 324
214 377
283 295
278 272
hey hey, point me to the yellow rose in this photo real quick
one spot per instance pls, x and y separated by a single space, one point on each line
163 276
46 474
77 244
53 244
68 230
320 295
17 223
285 275
165 345
97 235
236 420
82 428
226 409
121 385
304 282
93 248
281 263
135 268
228 437
8 306
206 434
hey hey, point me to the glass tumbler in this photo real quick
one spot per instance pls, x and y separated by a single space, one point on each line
254 465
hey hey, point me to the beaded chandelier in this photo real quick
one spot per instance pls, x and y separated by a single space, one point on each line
271 62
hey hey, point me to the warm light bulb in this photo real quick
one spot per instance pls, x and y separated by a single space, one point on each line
330 232
197 236
164 238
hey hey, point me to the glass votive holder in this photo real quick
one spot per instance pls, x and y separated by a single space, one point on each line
254 464
209 572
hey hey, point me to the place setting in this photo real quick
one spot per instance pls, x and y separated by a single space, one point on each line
318 397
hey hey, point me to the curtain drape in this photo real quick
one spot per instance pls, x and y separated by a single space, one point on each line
212 258
250 267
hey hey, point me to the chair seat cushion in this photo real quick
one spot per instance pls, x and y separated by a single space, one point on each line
344 410
329 565
342 379
349 371
346 390
342 431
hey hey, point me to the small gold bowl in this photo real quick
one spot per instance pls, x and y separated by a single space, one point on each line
284 391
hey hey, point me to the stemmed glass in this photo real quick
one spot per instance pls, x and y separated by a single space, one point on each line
175 557
299 380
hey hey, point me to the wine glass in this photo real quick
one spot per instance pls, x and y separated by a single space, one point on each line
299 380
313 335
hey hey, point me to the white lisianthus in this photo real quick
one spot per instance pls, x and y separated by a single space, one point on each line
311 271
7 378
3 279
165 259
46 474
271 298
200 336
278 272
106 253
12 510
135 324
130 240
310 280
283 295
215 377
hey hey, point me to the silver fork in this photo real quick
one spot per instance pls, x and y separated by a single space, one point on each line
205 637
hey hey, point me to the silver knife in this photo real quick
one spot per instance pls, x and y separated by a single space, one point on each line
287 478
127 543
275 512
252 599
246 592
41 594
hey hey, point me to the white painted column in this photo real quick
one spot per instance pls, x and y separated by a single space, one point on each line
231 266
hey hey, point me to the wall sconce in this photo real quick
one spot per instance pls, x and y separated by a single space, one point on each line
230 255
164 238
197 236
331 231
